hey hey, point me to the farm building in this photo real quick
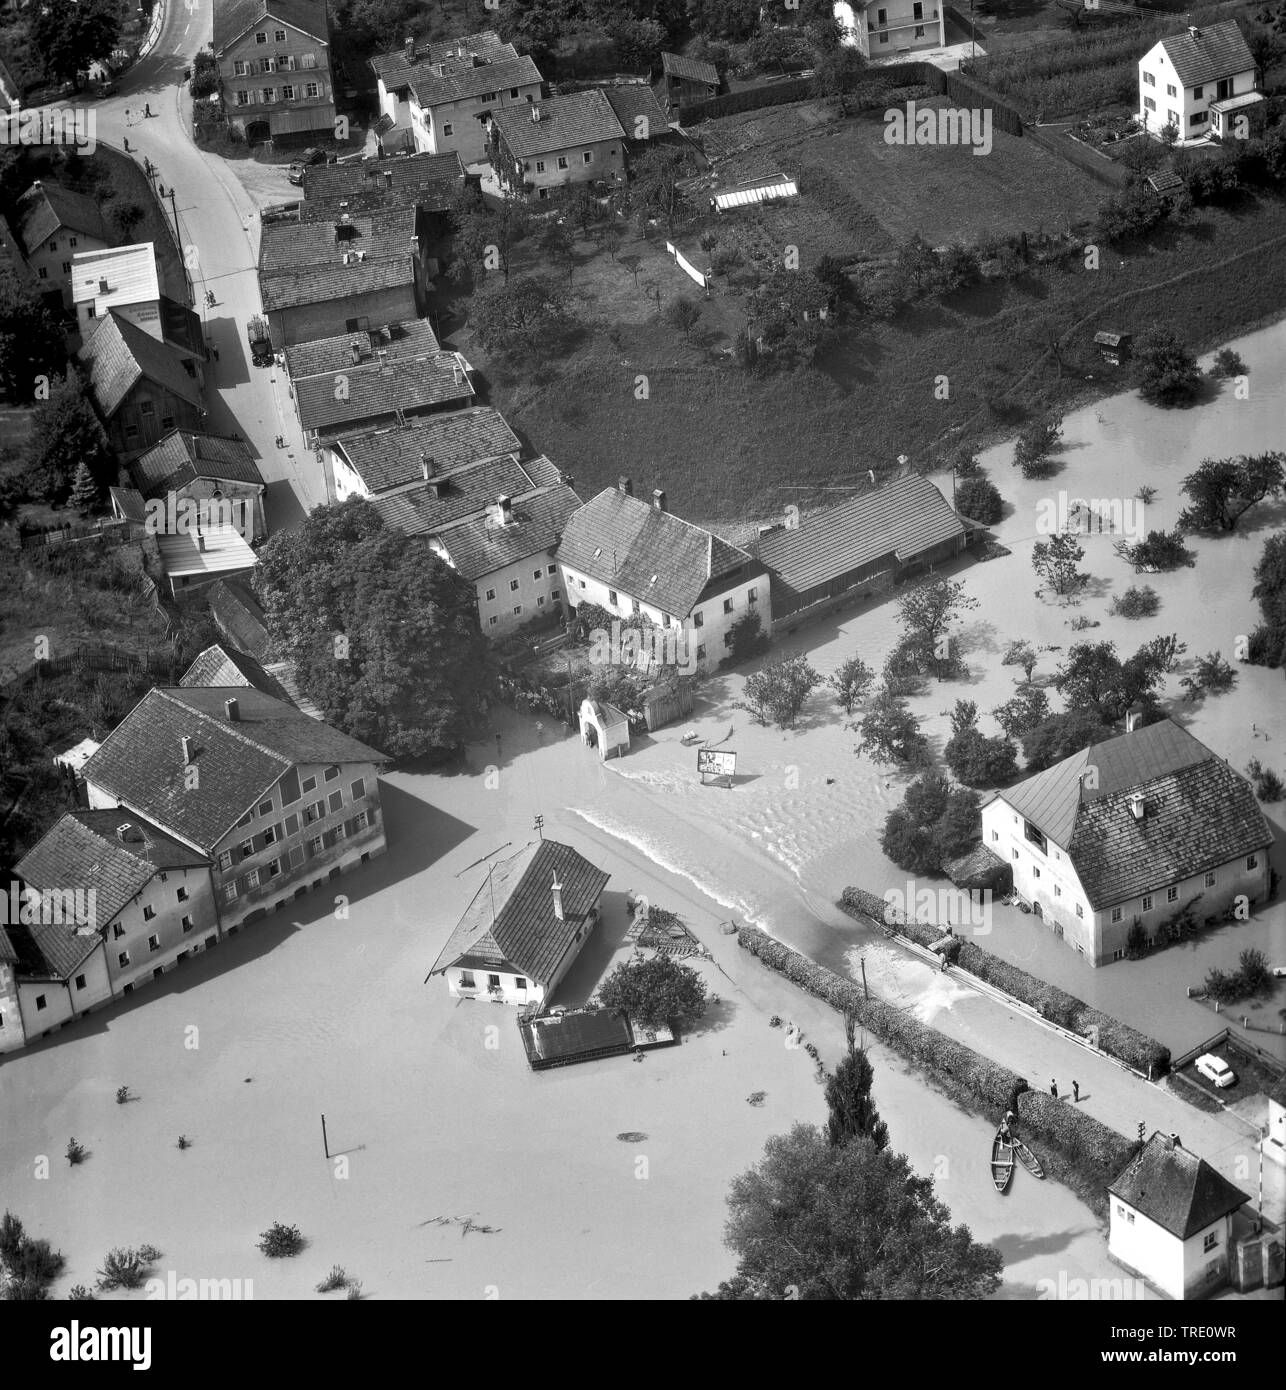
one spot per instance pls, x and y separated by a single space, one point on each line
866 543
684 82
1113 348
604 727
1201 83
894 27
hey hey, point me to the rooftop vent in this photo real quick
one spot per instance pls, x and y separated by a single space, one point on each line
1138 807
185 744
355 351
233 711
625 485
102 287
426 465
535 111
504 511
1193 31
658 499
129 834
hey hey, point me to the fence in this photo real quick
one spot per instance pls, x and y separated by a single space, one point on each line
113 533
1098 166
685 265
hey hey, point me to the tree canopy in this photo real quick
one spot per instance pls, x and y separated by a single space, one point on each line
656 990
71 37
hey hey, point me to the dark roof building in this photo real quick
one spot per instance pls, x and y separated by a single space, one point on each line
233 18
1202 55
239 618
47 207
689 69
636 107
505 534
429 181
424 509
396 68
120 355
518 925
239 755
461 79
557 123
1182 1193
225 666
302 263
886 530
386 460
182 456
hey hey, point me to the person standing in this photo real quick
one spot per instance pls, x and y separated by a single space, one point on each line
1053 1089
1076 1092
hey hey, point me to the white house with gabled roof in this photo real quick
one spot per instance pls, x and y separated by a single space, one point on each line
1202 82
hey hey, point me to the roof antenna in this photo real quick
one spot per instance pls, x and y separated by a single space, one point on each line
539 826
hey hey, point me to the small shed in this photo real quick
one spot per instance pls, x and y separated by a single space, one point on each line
604 727
664 704
1113 348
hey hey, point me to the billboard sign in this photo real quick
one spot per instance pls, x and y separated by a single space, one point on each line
716 762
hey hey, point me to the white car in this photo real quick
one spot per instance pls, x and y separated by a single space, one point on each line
1216 1069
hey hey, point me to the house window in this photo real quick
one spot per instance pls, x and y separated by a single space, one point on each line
540 601
1210 879
1252 861
315 844
520 982
698 620
247 848
167 421
360 821
149 913
122 959
165 878
448 128
562 161
1116 914
40 1002
117 931
1116 955
261 38
727 639
357 789
182 895
279 36
153 943
1147 902
240 68
493 981
230 893
611 597
80 982
492 621
336 800
467 981
252 879
701 652
1058 892
1149 104
310 88
1172 895
292 825
752 595
1129 1218
513 586
1198 118
268 95
72 242
1210 1241
587 156
1035 872
330 774
995 835
146 408
1034 836
1080 911
273 868
186 923
1169 90
491 594
537 576
517 609
513 92
309 783
270 836
1149 79
727 605
551 569
307 60
1014 853
288 92
266 64
540 166
555 593
66 267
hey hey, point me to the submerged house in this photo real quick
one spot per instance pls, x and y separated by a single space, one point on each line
1128 833
527 923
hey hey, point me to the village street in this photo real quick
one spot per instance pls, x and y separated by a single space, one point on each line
219 228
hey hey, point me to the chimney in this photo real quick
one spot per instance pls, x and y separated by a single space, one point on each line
102 286
388 178
1193 31
658 498
1136 805
382 354
1174 1141
355 348
187 750
345 257
200 542
415 244
426 465
410 49
233 710
535 111
625 486
1133 718
556 889
504 510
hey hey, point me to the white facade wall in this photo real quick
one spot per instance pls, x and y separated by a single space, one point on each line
1164 100
12 1034
51 261
501 987
453 125
502 607
890 27
1180 1269
47 1004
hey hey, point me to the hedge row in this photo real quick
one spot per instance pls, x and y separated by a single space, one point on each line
961 1070
1074 1148
1117 1039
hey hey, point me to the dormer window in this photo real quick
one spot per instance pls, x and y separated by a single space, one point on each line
1033 836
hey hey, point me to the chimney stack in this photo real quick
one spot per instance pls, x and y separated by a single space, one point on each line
388 178
1137 805
1174 1140
426 465
410 49
625 485
556 889
102 286
1193 31
355 348
1133 718
233 710
658 498
186 743
504 510
535 111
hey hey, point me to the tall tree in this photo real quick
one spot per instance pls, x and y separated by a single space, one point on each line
1222 491
31 342
890 733
654 184
525 316
71 36
816 1221
927 611
848 1097
65 433
1166 368
85 496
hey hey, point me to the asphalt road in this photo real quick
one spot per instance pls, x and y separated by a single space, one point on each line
219 225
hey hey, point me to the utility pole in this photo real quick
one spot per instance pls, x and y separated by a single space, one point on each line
178 243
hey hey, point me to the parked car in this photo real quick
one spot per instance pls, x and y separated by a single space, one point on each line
1215 1069
295 173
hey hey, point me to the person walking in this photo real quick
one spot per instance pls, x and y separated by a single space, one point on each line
147 110
127 115
126 139
1076 1092
1053 1089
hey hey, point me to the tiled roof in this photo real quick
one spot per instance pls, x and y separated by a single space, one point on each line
239 618
220 666
429 180
1217 51
411 339
49 951
392 457
298 245
82 851
1198 813
233 17
579 118
395 66
426 509
8 955
511 920
131 502
129 271
405 382
456 82
646 553
120 354
481 546
631 100
1182 1193
141 762
689 69
12 258
903 518
181 328
318 284
182 455
47 206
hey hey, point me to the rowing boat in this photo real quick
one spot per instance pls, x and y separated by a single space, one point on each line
1028 1159
1002 1162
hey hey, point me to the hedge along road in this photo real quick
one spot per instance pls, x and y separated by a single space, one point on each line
1034 1048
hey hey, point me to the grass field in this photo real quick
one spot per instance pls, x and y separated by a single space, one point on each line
872 194
729 446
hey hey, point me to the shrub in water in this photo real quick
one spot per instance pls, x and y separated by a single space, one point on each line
122 1269
336 1279
78 1293
280 1241
75 1152
122 1095
1138 601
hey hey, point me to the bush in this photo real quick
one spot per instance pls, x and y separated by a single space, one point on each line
979 499
75 1152
336 1279
78 1293
1136 941
280 1241
1162 550
749 640
1268 785
123 1269
779 690
1166 369
661 990
1211 674
122 1095
1228 363
1252 977
1137 602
